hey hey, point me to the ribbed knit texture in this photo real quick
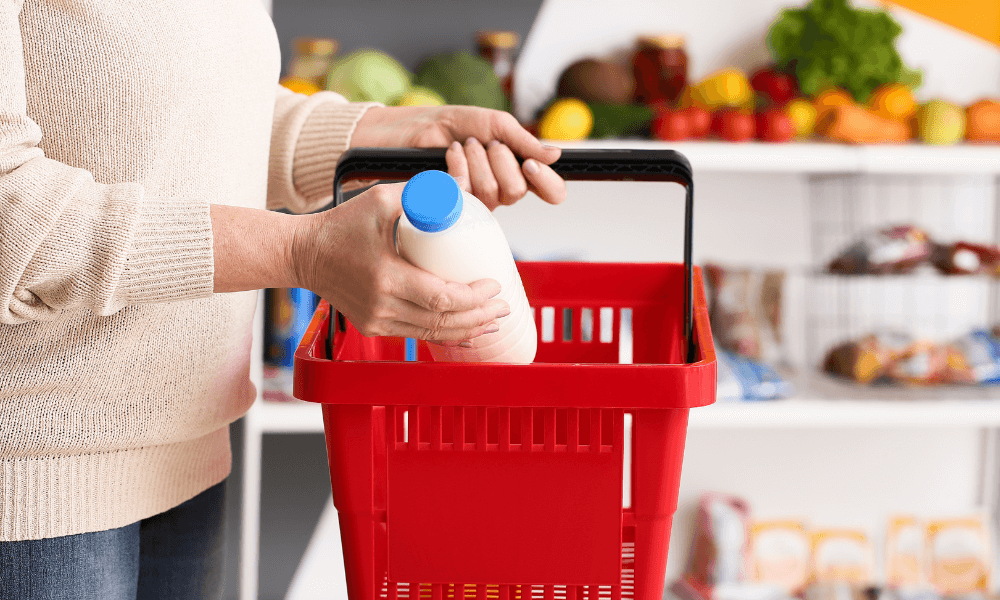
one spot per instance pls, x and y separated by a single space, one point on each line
120 124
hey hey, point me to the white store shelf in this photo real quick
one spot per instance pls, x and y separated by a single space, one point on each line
821 402
817 157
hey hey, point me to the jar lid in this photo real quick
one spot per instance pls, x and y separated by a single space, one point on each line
666 41
499 39
316 46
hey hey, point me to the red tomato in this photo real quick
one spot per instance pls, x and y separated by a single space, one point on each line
671 125
700 121
733 125
775 125
779 87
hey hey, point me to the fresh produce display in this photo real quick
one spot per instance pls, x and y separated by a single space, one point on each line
853 124
774 125
733 125
620 120
803 116
830 43
462 78
775 86
368 76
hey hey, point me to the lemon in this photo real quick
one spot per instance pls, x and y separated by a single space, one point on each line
566 119
893 101
728 87
803 116
419 96
299 85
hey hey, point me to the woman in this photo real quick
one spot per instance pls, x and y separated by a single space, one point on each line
140 142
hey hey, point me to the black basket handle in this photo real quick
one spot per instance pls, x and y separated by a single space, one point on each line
600 165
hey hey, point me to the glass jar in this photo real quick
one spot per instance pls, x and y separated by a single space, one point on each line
660 67
498 48
312 60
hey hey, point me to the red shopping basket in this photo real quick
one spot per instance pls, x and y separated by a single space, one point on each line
506 482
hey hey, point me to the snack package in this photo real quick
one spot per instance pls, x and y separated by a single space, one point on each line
747 379
904 541
719 547
745 311
975 358
842 555
964 258
779 552
925 363
869 358
892 250
958 556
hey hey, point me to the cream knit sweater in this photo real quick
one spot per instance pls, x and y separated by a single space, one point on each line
120 123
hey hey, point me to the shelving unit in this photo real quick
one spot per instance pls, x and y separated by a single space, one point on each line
817 157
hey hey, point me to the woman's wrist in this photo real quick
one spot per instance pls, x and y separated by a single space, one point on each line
254 249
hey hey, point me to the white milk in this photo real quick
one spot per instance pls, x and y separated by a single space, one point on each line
451 234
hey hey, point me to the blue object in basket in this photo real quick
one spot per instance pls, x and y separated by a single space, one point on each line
287 313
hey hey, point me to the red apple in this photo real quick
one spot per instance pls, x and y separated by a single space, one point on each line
774 125
772 83
671 125
733 125
700 121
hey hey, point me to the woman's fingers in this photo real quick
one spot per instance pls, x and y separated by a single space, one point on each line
507 172
545 182
458 165
432 293
484 184
436 322
448 337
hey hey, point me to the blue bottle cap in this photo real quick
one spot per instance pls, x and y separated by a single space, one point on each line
432 201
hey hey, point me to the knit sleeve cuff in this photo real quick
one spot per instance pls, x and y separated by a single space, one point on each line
325 135
172 256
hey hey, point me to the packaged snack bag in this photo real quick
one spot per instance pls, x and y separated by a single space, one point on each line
904 541
843 555
745 311
924 363
869 358
958 556
892 250
779 552
975 358
964 258
720 544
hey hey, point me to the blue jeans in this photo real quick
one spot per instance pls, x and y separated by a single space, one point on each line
177 554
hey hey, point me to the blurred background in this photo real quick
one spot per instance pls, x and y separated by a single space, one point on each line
846 159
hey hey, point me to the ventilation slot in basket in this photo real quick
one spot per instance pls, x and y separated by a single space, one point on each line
457 591
479 429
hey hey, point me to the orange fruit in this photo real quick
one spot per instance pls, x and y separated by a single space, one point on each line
302 86
829 99
893 101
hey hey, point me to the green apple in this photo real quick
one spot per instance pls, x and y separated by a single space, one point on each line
941 123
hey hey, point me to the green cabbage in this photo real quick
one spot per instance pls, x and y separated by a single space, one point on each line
829 43
368 76
462 79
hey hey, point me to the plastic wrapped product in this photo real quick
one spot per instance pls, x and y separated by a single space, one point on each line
869 358
719 547
756 380
958 556
842 555
904 541
779 553
924 363
899 249
746 307
964 258
975 358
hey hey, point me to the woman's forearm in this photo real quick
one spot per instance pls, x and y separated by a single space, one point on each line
253 248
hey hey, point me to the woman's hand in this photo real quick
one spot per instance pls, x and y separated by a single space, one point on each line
347 255
493 173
